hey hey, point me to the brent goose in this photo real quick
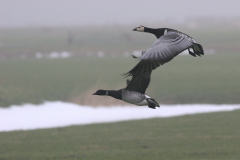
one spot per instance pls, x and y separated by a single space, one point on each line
134 93
169 44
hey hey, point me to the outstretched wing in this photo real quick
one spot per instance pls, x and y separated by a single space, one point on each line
163 50
139 82
167 47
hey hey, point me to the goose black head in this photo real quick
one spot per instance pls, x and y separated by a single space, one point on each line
101 92
139 28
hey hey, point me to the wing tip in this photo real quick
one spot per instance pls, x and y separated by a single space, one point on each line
142 67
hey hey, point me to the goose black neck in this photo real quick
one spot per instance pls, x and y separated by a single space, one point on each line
115 94
157 32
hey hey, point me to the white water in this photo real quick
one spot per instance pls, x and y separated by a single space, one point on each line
60 114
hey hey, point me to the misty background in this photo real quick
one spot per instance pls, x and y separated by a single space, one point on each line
64 50
38 13
54 54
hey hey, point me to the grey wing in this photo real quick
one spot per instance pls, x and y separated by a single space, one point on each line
140 82
163 50
167 47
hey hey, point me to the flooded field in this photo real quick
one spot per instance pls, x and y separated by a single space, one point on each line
60 114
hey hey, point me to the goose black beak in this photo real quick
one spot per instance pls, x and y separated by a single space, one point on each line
135 29
94 94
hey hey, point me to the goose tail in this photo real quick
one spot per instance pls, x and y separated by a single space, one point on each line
197 49
152 103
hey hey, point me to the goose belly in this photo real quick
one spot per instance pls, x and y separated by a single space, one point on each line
134 98
143 103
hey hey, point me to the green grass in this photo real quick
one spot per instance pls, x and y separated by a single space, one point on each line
213 136
209 79
186 79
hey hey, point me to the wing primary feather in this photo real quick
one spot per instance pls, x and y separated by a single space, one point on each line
140 82
146 67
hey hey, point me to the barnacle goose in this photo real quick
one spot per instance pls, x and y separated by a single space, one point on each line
169 44
134 93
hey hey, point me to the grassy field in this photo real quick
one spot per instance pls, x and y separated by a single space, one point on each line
25 79
213 78
213 136
186 79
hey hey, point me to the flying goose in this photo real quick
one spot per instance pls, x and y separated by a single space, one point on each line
169 44
134 93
